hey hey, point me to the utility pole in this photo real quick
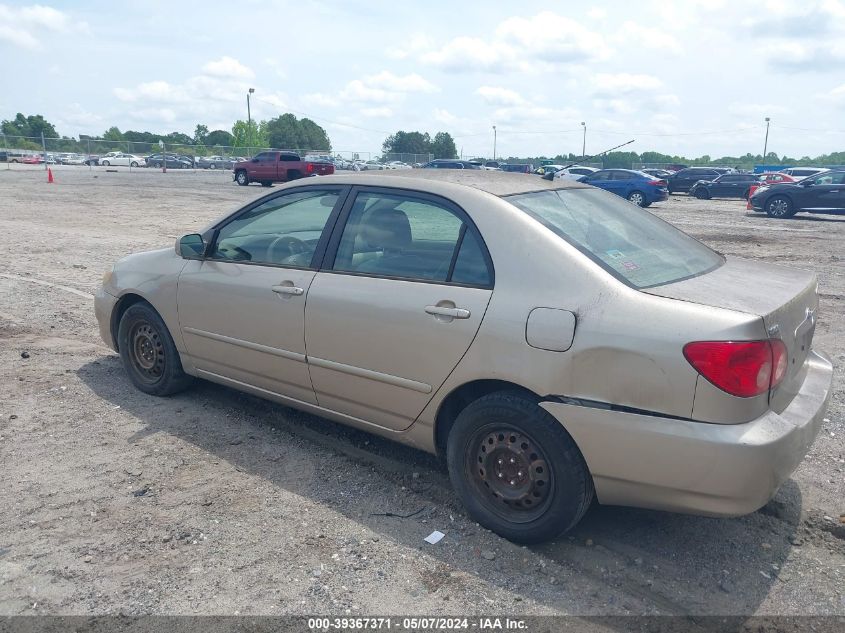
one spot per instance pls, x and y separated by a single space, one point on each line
584 141
249 113
494 142
766 142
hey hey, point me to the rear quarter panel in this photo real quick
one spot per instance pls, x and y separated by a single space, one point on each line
627 348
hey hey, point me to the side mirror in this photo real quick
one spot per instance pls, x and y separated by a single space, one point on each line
191 246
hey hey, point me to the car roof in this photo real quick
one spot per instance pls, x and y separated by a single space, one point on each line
498 183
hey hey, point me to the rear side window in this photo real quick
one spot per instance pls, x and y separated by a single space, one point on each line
394 235
631 244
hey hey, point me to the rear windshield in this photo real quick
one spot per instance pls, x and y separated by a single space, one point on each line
630 243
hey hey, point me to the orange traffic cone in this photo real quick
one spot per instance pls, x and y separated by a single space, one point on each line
49 175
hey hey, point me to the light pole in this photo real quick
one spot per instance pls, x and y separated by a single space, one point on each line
249 116
766 142
584 142
494 142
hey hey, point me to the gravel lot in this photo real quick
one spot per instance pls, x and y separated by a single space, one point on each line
214 502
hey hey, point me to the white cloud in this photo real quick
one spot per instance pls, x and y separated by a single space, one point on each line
228 67
749 110
22 26
417 43
217 93
395 83
381 112
542 42
381 88
635 34
444 116
611 85
496 95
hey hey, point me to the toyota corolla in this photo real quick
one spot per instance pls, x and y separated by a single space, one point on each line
554 342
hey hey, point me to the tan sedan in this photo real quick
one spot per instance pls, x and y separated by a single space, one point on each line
553 341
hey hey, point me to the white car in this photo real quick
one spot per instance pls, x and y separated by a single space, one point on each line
126 160
371 165
397 164
575 172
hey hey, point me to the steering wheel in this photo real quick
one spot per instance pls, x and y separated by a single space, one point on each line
235 253
294 246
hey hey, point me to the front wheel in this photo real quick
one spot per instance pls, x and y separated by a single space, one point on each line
105 163
148 352
638 198
702 194
780 207
212 166
516 469
133 164
266 183
241 178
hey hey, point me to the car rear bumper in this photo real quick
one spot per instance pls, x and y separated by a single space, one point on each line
103 307
694 467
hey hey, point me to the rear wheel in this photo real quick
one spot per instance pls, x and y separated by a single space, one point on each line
105 163
638 198
266 183
779 207
148 352
241 178
212 166
517 471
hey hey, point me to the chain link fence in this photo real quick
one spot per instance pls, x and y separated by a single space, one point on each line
99 152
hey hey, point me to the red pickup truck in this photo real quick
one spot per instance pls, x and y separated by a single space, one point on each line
270 167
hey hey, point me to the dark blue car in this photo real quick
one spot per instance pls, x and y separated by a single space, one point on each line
639 187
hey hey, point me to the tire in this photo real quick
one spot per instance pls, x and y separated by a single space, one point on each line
638 198
746 194
212 166
149 355
779 207
266 183
133 164
553 486
241 178
702 194
105 163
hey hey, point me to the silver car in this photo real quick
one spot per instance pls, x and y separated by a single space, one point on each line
553 341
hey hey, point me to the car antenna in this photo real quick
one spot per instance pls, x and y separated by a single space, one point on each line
586 158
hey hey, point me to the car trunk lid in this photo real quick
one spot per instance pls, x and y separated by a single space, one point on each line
786 299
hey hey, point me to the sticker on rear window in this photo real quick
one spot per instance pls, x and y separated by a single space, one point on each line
630 266
615 254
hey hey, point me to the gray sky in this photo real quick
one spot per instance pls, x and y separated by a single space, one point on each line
689 77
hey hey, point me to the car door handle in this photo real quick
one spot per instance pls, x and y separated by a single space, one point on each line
455 313
288 290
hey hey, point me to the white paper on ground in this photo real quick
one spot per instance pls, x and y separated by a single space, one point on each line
434 537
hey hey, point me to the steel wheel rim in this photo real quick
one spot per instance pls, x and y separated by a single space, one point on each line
509 472
778 207
637 199
146 351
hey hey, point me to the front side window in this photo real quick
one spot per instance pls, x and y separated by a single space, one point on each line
633 245
393 235
282 231
835 178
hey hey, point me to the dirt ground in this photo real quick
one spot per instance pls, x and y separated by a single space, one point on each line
214 502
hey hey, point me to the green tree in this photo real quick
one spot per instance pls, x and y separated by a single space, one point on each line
178 138
313 136
407 143
200 134
33 125
283 132
113 134
247 134
219 137
443 146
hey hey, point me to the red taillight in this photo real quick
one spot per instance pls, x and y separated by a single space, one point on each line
741 368
657 183
309 167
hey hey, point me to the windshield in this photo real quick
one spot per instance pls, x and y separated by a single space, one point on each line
630 243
